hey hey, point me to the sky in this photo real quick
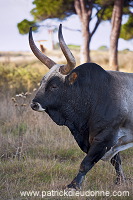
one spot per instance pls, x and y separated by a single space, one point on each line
14 11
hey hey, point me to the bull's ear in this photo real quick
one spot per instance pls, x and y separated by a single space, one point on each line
72 78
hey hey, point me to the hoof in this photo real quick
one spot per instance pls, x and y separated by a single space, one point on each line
120 180
73 186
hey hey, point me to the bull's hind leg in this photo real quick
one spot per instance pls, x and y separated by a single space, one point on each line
116 162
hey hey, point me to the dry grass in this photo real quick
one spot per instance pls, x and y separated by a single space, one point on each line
38 155
48 158
125 58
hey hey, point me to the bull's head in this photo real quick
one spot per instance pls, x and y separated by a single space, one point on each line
50 92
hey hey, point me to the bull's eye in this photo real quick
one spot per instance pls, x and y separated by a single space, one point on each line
53 87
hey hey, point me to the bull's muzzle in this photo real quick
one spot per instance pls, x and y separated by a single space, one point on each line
37 107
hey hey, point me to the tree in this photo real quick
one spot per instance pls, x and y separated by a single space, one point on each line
121 7
61 9
127 29
24 26
115 32
84 10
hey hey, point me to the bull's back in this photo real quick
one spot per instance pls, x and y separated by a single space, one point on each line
123 92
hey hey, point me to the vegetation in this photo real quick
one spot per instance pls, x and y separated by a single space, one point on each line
103 48
127 29
35 153
99 10
24 26
20 78
62 9
73 47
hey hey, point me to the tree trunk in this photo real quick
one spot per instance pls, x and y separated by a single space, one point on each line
84 16
115 32
85 48
84 11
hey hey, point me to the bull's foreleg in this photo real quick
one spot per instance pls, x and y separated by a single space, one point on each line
116 162
96 152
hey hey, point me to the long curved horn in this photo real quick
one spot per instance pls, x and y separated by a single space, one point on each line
44 59
65 69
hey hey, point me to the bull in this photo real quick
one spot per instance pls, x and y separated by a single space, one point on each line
96 106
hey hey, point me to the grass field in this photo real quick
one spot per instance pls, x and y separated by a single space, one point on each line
38 155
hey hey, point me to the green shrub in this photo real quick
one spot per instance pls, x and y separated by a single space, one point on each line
20 78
